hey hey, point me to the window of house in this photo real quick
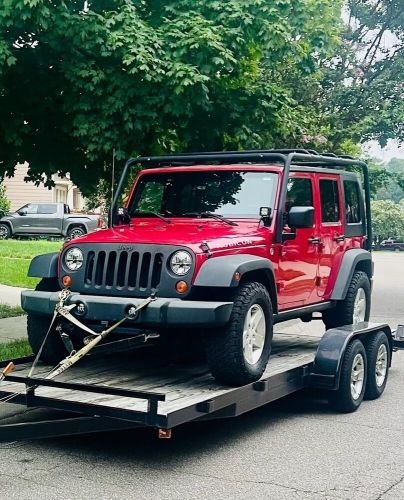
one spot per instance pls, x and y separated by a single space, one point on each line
330 211
300 193
352 202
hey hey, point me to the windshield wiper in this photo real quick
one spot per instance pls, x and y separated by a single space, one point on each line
212 216
156 214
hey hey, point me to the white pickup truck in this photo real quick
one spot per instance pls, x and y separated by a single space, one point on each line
52 219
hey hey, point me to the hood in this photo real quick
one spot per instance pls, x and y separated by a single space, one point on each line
218 235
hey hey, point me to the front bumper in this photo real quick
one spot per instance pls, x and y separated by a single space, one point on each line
162 312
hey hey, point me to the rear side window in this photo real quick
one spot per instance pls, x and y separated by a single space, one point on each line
46 209
300 193
329 200
352 202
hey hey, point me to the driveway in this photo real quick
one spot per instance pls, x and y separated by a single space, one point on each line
296 448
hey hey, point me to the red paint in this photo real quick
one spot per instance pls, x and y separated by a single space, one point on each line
305 273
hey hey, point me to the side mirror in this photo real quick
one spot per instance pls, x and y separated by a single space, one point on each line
301 217
22 212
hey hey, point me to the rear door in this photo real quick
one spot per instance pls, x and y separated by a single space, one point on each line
332 245
48 219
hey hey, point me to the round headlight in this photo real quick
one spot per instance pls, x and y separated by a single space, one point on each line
181 263
74 259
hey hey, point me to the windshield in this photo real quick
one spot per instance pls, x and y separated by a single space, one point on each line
182 194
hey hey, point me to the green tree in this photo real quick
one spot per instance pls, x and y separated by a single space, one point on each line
4 202
363 83
157 76
388 220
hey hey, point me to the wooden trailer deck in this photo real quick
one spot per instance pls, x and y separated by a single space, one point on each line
185 391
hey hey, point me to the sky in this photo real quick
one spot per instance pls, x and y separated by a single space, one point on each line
392 150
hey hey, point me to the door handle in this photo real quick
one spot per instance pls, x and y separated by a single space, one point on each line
340 238
314 241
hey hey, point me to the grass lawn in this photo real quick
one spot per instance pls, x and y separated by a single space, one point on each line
15 349
10 311
15 256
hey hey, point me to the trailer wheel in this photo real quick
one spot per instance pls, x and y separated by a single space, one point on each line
351 391
355 308
239 353
37 328
378 355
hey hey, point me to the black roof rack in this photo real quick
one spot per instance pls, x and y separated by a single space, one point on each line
284 157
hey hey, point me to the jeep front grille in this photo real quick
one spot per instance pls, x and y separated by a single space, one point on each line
123 270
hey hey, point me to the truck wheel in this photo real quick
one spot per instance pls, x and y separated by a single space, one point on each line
5 232
397 249
239 353
352 383
75 232
378 355
355 308
37 328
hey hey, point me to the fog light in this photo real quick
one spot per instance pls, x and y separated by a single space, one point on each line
181 287
67 281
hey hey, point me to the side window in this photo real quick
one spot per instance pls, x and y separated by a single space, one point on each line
352 202
329 201
47 209
151 197
31 209
300 193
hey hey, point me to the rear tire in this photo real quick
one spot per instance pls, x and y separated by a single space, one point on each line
5 232
378 354
351 391
75 232
38 325
239 353
346 312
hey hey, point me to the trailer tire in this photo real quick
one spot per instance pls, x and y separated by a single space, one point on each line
344 312
38 326
350 393
378 356
229 350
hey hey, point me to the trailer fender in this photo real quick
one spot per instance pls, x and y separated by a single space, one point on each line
326 370
355 259
44 266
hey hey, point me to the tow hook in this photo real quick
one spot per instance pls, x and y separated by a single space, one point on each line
132 311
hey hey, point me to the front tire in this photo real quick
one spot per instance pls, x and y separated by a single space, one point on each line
239 353
5 232
37 327
355 308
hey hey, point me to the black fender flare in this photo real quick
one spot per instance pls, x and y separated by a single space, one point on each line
220 272
44 266
352 259
326 371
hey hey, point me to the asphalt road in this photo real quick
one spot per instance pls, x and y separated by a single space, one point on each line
292 449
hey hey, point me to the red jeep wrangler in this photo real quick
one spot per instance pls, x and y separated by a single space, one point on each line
224 243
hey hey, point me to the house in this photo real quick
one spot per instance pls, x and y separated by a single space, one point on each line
20 192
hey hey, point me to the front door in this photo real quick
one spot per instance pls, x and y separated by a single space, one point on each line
331 249
298 261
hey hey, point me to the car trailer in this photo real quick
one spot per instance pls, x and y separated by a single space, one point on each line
139 388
